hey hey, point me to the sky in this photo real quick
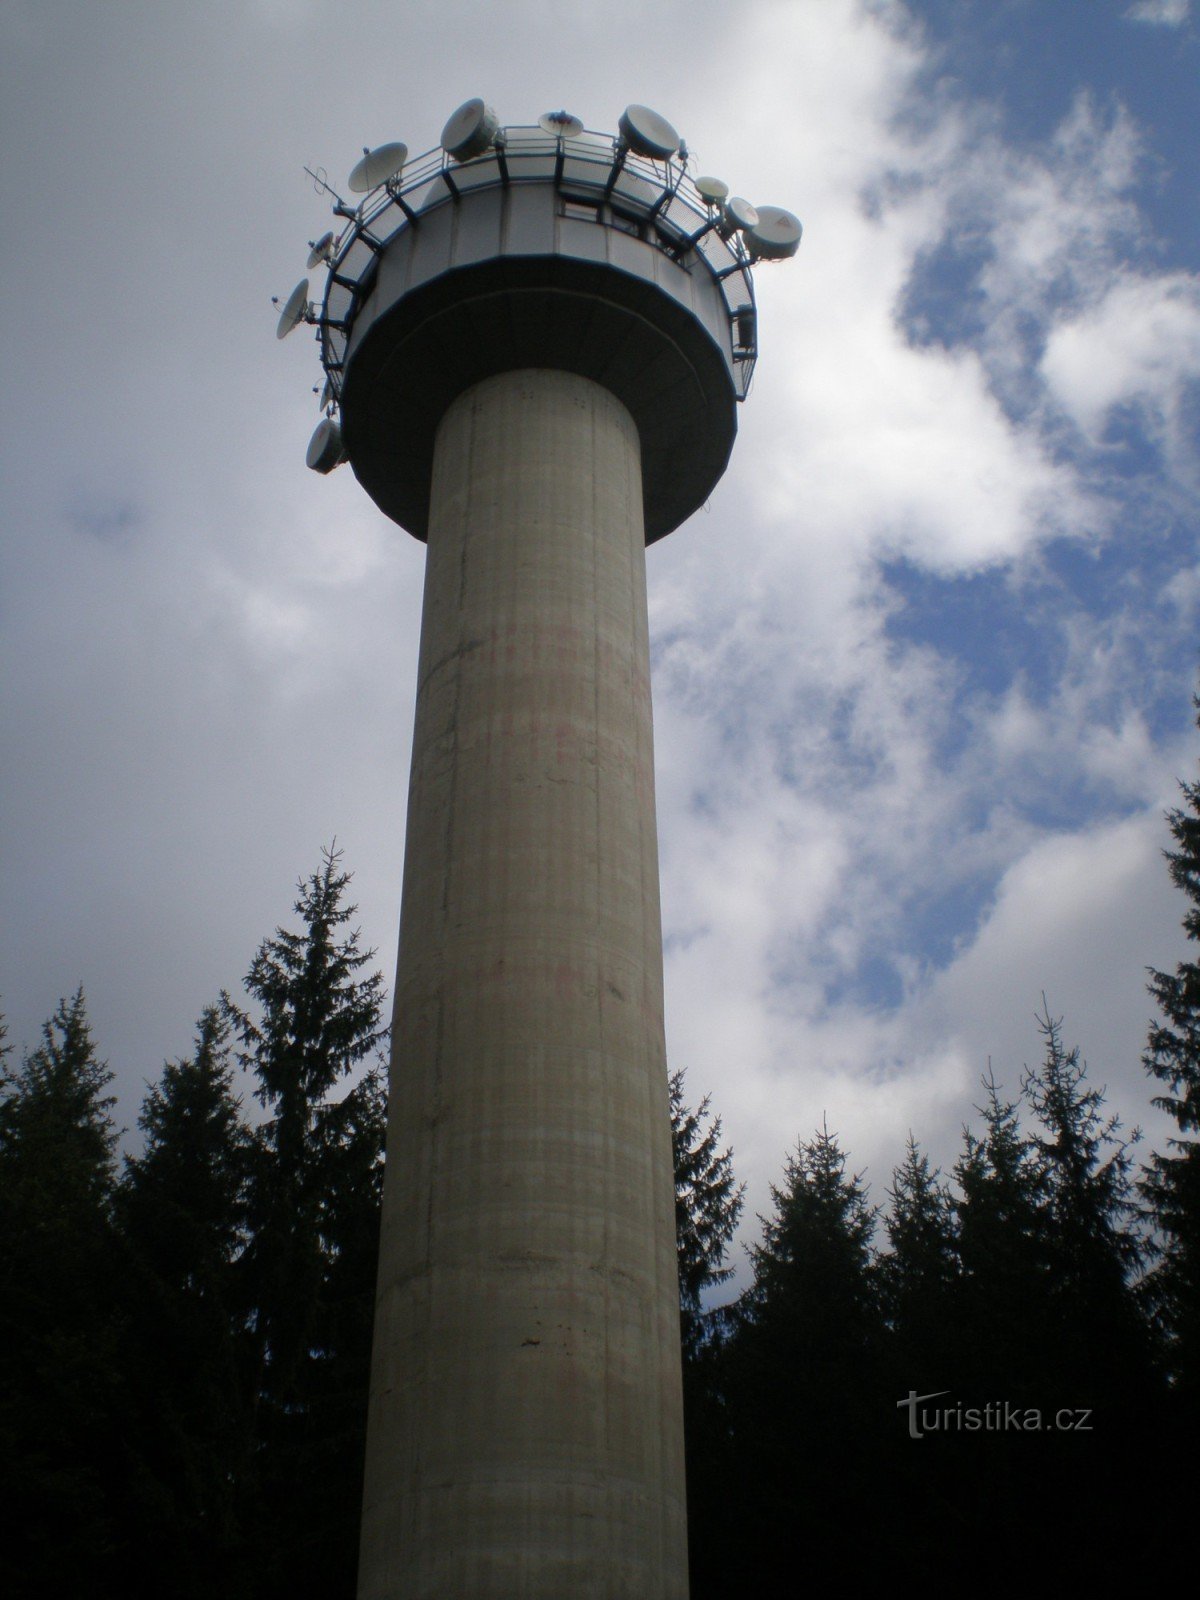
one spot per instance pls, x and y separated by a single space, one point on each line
923 665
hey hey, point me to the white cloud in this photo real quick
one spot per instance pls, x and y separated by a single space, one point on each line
1053 225
1075 916
834 808
1160 13
1139 345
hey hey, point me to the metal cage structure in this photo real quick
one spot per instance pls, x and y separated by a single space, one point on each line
549 246
596 177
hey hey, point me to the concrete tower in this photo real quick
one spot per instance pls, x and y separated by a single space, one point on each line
536 338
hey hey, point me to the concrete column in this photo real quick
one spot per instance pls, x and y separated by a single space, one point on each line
526 1438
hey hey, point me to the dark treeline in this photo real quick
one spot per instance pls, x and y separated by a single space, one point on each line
992 1379
185 1338
975 1378
986 1377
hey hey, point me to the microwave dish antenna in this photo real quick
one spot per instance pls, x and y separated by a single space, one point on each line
325 448
470 131
295 309
649 134
737 215
561 124
712 190
320 250
776 234
378 166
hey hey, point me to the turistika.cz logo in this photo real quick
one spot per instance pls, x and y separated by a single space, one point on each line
999 1416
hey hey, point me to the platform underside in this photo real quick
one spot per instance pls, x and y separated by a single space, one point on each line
552 312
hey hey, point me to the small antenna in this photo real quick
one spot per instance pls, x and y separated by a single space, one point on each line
320 250
561 124
322 185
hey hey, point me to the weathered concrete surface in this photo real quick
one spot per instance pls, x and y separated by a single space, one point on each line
526 1425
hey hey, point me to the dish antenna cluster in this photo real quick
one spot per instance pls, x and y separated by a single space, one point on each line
534 342
640 180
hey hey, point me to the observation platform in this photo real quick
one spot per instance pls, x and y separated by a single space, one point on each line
547 249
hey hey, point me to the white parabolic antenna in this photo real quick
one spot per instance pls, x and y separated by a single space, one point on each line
377 166
469 131
293 311
740 213
714 190
325 449
648 133
320 250
561 124
776 234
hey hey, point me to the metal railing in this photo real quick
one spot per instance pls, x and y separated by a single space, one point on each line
657 198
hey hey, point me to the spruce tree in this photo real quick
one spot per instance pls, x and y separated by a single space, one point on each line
1045 1328
313 1202
182 1201
810 1404
55 1125
819 1239
1000 1347
353 1145
920 1275
1003 1318
1171 1184
1094 1249
1099 1353
708 1205
62 1449
182 1214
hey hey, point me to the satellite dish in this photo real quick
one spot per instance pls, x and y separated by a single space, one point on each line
561 124
325 448
712 190
739 213
320 250
294 309
377 166
649 134
776 234
469 131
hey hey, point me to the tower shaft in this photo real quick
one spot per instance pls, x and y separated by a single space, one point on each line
525 1434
